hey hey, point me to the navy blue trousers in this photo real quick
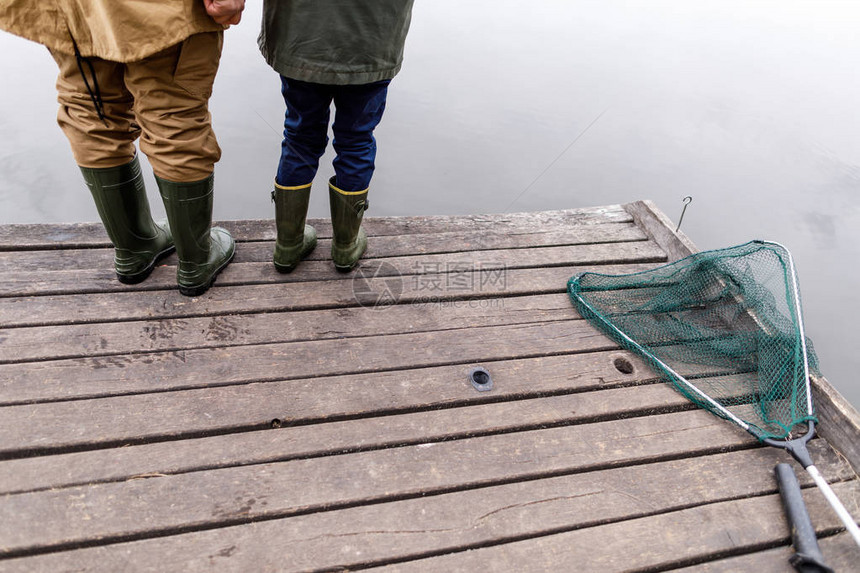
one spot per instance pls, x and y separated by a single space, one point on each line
358 110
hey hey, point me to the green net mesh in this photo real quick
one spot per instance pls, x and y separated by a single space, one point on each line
723 326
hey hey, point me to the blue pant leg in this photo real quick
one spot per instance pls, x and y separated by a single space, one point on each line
358 110
305 131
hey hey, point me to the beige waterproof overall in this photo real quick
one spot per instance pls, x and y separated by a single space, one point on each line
149 65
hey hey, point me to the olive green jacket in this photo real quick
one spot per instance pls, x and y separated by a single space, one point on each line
114 30
336 42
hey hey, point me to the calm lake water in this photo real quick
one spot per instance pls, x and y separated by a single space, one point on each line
750 107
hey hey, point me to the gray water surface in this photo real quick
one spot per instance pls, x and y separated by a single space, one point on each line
502 105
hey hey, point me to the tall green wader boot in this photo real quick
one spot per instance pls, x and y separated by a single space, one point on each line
202 250
295 239
120 198
349 240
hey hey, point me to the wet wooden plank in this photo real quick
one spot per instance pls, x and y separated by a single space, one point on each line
121 421
248 405
839 421
139 423
840 553
660 229
221 497
386 246
77 235
465 275
104 339
432 280
451 521
255 273
718 528
212 367
184 415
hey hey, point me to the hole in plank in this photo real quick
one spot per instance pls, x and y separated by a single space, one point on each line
623 365
481 379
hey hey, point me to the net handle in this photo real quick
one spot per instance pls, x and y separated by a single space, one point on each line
798 450
796 447
834 502
807 556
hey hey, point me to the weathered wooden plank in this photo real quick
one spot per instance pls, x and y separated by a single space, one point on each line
839 421
86 424
840 553
687 535
386 246
52 235
410 528
29 283
95 281
466 276
46 262
660 229
248 275
397 225
64 341
241 365
258 404
462 265
212 367
211 498
408 441
444 246
104 339
77 235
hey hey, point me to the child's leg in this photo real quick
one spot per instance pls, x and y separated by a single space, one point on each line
359 109
305 127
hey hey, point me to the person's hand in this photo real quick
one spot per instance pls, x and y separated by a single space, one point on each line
225 12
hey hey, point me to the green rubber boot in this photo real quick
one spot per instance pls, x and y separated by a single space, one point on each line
295 239
120 198
203 250
349 241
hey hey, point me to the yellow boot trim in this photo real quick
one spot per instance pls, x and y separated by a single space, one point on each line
292 188
342 192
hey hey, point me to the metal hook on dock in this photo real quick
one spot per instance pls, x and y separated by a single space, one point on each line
687 200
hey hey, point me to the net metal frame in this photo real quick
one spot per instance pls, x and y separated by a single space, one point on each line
796 446
652 353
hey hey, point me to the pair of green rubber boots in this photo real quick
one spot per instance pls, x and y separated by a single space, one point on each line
139 242
296 239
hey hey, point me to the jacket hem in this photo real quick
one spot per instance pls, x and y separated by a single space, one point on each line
334 78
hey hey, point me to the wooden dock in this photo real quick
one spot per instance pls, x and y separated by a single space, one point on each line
324 422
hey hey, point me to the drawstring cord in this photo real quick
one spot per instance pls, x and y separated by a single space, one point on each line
94 91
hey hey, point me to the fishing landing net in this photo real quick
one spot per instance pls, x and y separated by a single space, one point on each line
735 310
731 319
